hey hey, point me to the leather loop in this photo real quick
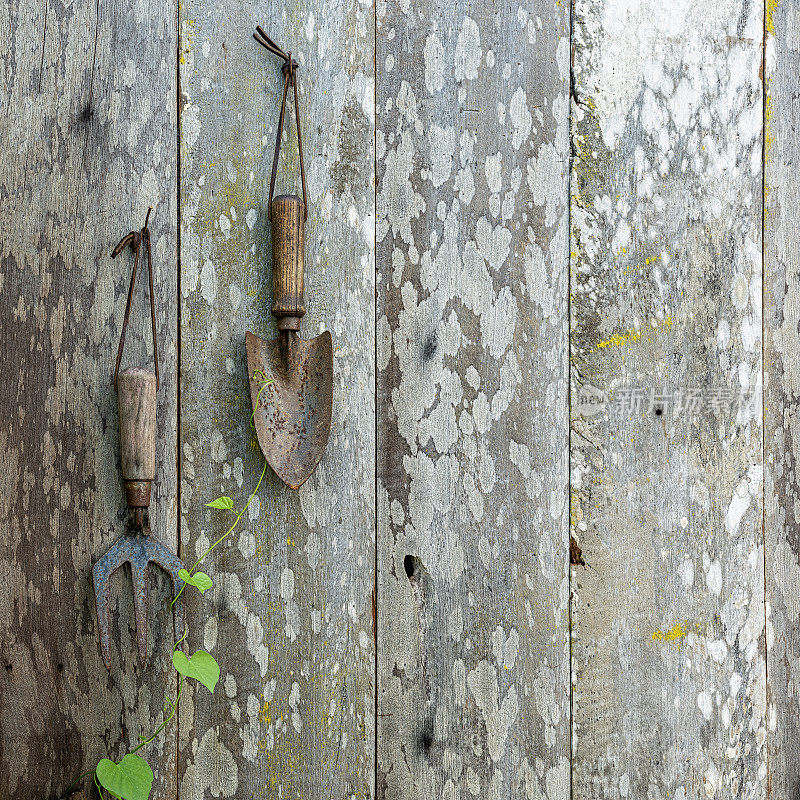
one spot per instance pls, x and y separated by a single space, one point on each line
135 239
289 70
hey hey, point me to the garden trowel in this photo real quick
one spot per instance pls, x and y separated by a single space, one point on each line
291 379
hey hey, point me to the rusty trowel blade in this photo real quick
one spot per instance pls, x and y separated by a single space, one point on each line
293 413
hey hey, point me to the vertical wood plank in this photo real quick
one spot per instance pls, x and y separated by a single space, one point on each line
668 611
472 145
290 615
88 140
781 393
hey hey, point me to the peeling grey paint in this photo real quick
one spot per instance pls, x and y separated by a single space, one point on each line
781 390
684 606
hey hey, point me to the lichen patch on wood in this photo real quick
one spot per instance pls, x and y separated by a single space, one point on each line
666 298
473 669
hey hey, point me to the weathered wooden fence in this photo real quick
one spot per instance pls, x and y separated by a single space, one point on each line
553 549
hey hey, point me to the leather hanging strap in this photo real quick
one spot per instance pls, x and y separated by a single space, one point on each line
135 239
289 70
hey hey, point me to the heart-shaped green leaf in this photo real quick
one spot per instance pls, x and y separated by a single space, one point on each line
223 503
201 666
199 579
131 779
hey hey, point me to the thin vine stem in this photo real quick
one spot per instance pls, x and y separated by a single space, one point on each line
77 781
178 643
166 721
264 382
174 704
224 535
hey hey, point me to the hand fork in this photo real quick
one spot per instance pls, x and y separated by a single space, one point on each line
136 397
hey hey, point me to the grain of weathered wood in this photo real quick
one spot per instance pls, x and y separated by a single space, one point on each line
472 235
88 129
668 612
290 615
673 697
781 395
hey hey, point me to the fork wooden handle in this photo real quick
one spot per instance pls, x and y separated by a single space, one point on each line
287 262
136 399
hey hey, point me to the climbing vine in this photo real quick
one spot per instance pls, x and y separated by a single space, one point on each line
131 778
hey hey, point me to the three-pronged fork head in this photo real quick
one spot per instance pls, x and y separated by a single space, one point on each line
138 548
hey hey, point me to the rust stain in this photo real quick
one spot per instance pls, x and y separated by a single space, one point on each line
575 553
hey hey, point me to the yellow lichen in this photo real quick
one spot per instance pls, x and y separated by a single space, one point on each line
770 8
630 336
674 634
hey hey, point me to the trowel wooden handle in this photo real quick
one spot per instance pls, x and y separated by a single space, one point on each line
136 398
287 261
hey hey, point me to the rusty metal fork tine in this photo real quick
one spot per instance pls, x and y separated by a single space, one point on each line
172 565
116 556
139 581
101 593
